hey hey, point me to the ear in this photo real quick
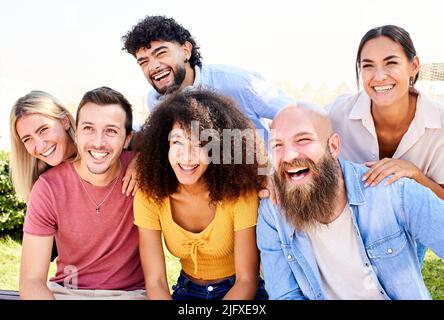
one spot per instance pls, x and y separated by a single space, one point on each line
187 47
334 145
128 140
415 66
65 122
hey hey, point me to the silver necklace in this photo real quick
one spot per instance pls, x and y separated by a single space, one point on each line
106 197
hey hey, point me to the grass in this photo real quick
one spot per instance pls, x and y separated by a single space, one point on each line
10 250
433 273
9 264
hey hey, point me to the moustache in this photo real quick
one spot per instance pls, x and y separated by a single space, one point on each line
307 163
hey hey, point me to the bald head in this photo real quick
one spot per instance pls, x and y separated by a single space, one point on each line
310 115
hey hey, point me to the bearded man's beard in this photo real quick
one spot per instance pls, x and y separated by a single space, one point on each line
179 76
304 205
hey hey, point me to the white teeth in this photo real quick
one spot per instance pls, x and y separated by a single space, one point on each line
184 167
49 151
383 88
296 170
98 155
161 75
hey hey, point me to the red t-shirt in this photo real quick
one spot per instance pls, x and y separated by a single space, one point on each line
95 251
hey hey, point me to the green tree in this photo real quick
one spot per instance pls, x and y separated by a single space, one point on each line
12 210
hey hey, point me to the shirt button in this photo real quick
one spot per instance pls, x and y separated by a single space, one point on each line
210 288
289 257
390 250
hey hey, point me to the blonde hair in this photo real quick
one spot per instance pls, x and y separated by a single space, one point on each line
24 168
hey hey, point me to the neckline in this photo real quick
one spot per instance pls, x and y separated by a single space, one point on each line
90 185
195 234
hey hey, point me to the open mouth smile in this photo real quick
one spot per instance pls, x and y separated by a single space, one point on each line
383 89
297 174
98 155
48 152
188 169
161 75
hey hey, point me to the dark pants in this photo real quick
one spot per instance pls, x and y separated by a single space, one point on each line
186 289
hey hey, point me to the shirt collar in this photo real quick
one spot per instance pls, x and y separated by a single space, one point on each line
353 183
428 114
361 109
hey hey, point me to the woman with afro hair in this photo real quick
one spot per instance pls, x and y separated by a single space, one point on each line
202 199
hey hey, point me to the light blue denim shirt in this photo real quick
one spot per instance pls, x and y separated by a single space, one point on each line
257 98
387 219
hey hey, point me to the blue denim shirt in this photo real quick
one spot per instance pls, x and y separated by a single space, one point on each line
257 98
388 220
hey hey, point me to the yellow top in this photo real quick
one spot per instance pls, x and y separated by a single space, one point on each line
206 255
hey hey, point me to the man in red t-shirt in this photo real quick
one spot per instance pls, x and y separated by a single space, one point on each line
80 203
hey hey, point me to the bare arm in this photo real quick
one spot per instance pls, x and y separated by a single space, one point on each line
153 263
34 266
246 259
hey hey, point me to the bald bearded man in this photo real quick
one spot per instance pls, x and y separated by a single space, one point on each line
332 238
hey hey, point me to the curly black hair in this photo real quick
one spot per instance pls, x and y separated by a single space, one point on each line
154 28
226 180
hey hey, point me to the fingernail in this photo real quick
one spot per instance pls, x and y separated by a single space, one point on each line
366 184
133 194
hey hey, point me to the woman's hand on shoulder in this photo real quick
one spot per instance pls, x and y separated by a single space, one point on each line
269 191
383 168
130 184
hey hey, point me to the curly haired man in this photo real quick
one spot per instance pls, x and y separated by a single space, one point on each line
170 60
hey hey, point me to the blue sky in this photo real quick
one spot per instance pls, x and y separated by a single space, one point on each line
69 47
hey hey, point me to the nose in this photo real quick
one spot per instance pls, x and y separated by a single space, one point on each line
154 64
380 74
40 145
290 153
190 153
97 141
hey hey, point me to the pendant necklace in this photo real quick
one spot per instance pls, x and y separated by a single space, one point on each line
97 205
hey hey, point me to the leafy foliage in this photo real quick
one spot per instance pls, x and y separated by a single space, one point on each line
12 209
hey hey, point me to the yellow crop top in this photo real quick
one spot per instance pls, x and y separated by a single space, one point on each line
209 254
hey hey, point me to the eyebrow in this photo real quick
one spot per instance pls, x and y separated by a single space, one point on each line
385 59
152 52
36 131
177 135
299 134
107 126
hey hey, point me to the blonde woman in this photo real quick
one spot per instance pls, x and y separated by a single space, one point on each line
42 136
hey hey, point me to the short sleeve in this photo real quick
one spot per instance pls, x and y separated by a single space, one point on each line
245 211
40 219
146 212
